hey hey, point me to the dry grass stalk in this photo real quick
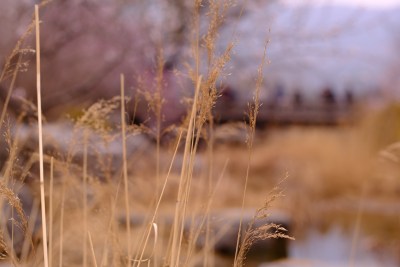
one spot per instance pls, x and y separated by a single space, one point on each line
15 203
110 226
205 220
152 222
155 103
28 241
184 183
10 89
8 66
61 233
39 107
92 250
84 196
51 214
253 112
216 19
7 69
159 101
19 52
3 247
148 260
96 118
263 232
125 169
13 148
204 100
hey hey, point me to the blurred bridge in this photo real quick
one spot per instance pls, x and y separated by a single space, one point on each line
281 108
310 114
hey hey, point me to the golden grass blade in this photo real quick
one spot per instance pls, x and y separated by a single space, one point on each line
357 227
39 108
32 220
125 169
62 224
180 208
85 209
205 220
148 260
253 112
160 198
110 224
14 203
51 212
10 89
92 249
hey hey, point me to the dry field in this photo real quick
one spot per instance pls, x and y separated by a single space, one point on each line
100 191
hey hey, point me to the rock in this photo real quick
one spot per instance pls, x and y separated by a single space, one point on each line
65 136
231 133
224 227
65 140
226 224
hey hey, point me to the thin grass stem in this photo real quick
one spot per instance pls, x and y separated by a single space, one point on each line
159 199
92 249
84 196
39 107
61 234
51 198
253 113
125 169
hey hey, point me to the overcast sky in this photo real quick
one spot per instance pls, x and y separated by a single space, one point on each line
360 3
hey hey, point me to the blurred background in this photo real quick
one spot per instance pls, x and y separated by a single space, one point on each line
319 51
330 117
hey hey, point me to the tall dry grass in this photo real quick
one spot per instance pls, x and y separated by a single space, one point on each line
160 219
40 129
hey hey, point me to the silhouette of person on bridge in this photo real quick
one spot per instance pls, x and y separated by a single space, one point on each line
328 97
297 99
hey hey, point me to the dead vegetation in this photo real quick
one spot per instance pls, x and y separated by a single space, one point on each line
80 210
150 207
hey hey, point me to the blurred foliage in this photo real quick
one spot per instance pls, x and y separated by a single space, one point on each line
382 128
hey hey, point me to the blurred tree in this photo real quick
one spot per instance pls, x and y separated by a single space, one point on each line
86 44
